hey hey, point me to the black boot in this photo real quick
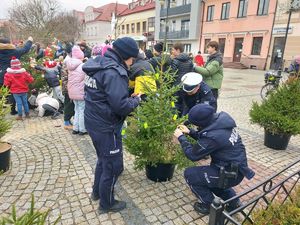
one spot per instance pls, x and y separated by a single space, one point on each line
232 206
94 197
201 208
117 207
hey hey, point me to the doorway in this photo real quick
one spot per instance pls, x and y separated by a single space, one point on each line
238 48
277 49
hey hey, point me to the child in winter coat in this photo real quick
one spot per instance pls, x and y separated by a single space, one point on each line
17 80
51 75
46 105
76 88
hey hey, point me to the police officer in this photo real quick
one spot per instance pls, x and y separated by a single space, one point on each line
216 136
194 91
106 106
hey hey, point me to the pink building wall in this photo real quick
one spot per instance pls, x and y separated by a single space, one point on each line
248 27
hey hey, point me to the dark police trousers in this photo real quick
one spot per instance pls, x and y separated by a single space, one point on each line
204 182
109 164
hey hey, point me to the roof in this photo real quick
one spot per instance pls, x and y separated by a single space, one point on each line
138 6
105 12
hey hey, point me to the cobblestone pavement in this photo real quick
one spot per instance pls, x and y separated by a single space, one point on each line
57 167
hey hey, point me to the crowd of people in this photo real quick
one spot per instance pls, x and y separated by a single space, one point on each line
95 89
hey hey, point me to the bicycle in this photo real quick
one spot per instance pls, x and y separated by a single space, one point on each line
272 80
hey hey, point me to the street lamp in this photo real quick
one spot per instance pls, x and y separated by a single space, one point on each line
294 4
162 3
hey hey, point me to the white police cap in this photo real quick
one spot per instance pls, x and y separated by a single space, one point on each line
190 81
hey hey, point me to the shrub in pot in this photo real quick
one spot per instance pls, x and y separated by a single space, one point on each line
149 135
279 115
5 125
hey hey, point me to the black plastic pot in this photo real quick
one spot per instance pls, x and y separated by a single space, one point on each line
160 173
5 157
276 141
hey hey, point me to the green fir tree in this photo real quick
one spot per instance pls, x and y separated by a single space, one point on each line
149 136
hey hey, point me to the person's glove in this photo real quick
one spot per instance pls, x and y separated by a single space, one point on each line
30 39
178 133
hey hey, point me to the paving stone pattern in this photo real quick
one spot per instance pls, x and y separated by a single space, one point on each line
57 167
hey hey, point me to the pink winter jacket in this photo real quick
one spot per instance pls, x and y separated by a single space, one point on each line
75 79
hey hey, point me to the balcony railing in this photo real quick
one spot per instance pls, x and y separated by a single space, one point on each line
175 34
183 9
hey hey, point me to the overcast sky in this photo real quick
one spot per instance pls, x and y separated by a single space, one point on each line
66 4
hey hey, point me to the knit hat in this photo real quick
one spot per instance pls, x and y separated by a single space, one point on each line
77 53
159 47
190 81
15 64
50 64
97 49
126 47
201 115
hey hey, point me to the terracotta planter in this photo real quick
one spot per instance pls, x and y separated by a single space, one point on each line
162 172
276 141
5 149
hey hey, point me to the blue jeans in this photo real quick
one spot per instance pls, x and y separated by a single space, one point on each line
21 100
79 116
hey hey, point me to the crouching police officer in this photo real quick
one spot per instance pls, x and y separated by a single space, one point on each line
217 136
194 91
106 106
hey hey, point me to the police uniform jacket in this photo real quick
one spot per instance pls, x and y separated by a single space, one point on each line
106 92
221 141
204 95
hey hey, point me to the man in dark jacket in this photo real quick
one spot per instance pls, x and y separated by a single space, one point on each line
86 50
7 51
181 63
217 136
194 91
106 106
160 58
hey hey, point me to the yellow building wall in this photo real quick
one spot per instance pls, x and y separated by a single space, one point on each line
135 18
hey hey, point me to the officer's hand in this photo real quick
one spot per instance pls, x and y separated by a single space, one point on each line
178 133
184 129
30 39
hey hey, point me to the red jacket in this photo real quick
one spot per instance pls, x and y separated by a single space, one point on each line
17 80
199 60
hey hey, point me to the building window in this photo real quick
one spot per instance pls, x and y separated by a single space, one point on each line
127 28
185 24
243 6
138 27
225 11
256 45
210 13
222 45
263 7
187 48
132 28
151 22
186 2
162 25
206 41
123 29
144 26
173 25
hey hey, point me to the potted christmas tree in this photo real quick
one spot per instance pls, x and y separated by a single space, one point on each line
5 125
149 136
279 115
